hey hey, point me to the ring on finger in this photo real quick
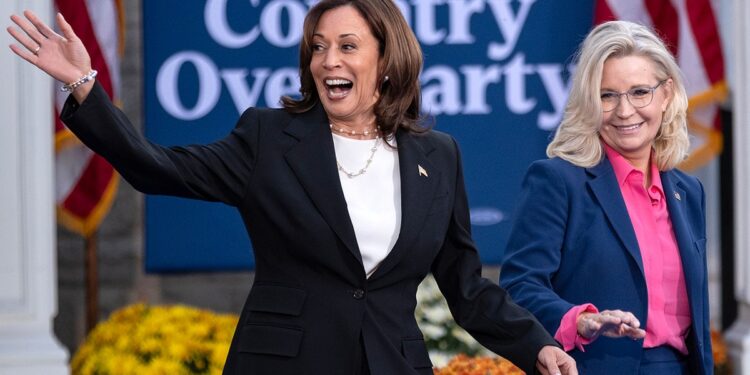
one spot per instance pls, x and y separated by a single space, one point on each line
36 50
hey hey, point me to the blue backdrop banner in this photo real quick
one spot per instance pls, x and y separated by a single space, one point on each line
496 77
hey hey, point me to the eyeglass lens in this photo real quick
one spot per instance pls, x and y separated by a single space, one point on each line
638 97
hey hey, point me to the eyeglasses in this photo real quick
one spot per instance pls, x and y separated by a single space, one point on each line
638 97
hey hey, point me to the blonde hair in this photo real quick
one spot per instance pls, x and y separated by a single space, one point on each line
577 138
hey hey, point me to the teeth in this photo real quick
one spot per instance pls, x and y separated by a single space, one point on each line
336 95
628 127
336 82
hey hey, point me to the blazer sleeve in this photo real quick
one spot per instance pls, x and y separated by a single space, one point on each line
478 305
534 249
218 171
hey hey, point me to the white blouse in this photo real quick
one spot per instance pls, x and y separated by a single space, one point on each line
373 198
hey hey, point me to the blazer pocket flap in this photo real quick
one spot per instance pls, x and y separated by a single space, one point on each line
267 339
276 299
415 353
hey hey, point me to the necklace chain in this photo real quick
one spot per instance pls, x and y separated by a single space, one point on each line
373 131
367 163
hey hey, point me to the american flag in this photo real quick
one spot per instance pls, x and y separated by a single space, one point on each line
690 30
85 183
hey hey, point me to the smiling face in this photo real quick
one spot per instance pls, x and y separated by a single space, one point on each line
344 66
627 129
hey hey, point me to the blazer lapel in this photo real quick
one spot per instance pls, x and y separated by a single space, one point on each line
607 192
419 179
313 160
692 265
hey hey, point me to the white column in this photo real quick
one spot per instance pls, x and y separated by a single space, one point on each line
738 336
28 279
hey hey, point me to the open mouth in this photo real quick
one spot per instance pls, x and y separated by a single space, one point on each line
627 128
338 87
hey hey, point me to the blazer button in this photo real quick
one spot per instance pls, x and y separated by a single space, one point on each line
359 294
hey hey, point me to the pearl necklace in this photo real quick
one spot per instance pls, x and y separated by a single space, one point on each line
354 133
367 163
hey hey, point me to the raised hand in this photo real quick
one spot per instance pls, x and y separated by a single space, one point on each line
63 57
610 323
552 360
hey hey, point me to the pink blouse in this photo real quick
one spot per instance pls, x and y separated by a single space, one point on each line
668 309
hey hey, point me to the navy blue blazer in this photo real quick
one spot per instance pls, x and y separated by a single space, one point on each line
572 242
311 307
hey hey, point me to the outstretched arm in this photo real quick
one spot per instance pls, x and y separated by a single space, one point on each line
484 309
63 57
219 171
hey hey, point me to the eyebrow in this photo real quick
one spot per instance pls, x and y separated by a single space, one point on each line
602 88
342 36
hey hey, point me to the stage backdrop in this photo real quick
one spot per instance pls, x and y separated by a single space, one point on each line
496 76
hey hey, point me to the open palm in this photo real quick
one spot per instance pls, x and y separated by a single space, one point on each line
64 57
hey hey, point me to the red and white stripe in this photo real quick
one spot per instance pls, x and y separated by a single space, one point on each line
689 28
85 182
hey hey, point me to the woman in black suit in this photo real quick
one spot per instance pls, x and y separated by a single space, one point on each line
348 201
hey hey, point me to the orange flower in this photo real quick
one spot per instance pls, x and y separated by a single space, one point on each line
719 348
465 365
721 359
462 364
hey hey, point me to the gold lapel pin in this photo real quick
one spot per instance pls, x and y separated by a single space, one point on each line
677 195
422 171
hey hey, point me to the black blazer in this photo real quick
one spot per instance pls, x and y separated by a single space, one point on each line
311 305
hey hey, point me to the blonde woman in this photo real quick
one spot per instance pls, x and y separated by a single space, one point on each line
609 238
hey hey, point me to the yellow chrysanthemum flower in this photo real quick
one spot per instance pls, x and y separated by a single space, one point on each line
146 340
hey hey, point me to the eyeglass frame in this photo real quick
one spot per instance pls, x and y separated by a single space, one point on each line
619 95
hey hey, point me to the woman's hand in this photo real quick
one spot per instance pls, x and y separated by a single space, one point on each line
554 361
609 323
63 57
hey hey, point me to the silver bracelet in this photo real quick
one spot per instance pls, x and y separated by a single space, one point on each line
72 86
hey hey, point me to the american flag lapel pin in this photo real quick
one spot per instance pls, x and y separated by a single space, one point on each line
422 171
